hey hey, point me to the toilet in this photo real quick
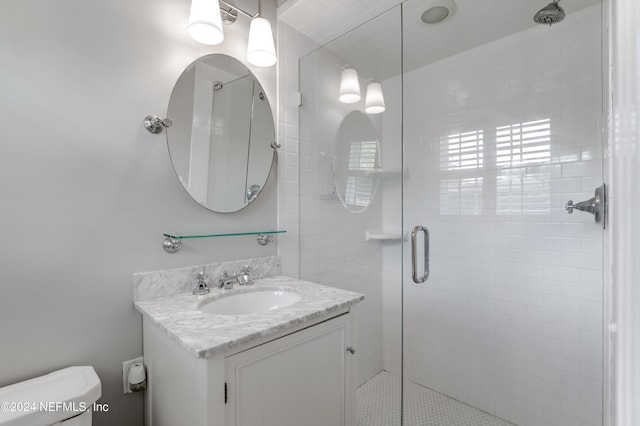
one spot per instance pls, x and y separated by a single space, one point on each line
61 398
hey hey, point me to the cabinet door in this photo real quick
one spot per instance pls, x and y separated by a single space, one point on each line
298 380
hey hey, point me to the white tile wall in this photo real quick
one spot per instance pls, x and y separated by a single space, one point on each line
510 320
291 46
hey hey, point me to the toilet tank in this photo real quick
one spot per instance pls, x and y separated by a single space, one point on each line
63 395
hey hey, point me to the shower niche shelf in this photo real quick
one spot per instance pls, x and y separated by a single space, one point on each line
173 242
384 173
382 236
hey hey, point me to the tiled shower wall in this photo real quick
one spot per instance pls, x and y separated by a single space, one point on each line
497 140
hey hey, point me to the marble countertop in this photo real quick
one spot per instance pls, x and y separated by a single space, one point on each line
205 334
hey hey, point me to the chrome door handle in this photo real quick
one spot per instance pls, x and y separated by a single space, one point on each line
414 254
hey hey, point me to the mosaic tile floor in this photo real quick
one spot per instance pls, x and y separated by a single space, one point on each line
379 405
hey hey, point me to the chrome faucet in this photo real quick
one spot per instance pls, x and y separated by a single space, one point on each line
201 288
227 281
243 278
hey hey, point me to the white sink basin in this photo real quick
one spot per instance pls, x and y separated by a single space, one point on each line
253 302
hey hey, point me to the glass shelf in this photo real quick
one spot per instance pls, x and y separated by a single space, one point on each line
231 234
173 243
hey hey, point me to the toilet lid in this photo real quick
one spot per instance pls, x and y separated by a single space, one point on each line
50 398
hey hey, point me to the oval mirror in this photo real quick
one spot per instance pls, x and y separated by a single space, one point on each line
357 158
220 140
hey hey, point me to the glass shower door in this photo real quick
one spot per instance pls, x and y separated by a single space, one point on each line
485 137
499 134
350 178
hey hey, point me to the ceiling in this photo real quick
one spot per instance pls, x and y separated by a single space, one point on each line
376 45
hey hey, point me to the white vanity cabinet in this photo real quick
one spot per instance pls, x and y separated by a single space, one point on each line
298 377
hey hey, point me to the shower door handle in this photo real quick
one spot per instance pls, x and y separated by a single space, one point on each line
414 254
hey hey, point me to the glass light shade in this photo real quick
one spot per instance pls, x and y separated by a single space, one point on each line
205 22
261 50
349 87
374 101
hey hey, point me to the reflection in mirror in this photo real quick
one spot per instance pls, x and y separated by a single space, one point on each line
220 141
357 157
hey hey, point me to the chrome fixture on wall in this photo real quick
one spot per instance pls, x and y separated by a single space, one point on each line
550 14
205 26
155 124
264 239
172 245
597 205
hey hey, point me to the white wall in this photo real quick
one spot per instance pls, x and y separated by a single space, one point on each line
510 320
624 203
87 192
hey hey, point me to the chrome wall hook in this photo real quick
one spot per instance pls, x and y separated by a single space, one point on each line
155 124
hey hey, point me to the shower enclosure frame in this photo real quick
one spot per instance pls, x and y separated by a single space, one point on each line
606 312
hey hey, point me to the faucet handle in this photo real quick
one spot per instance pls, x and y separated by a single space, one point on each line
225 281
246 269
201 288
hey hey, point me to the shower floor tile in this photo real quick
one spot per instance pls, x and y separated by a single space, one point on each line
379 405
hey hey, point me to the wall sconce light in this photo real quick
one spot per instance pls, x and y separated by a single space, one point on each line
205 26
349 87
374 100
261 51
205 22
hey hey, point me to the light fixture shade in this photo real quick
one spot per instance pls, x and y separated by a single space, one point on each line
374 102
261 50
205 22
349 87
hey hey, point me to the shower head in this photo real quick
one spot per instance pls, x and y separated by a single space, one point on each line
550 14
